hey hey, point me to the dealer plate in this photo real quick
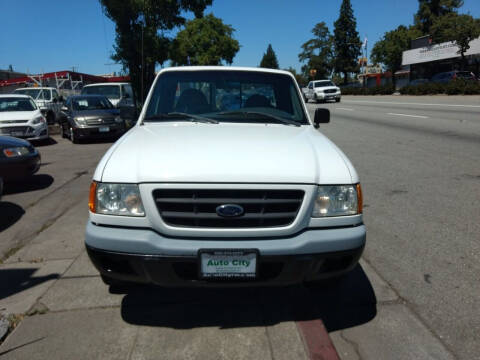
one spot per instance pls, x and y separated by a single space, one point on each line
104 129
228 264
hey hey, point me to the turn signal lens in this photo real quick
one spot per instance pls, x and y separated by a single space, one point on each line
360 199
92 197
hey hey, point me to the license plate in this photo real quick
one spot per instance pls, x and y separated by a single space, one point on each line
228 264
104 129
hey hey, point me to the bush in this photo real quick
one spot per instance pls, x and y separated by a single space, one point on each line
377 90
457 87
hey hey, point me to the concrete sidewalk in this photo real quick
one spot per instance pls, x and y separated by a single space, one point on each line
73 315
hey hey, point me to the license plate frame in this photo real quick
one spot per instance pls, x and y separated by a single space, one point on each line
103 129
228 272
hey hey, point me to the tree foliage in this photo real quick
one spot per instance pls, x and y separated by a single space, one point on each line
317 53
346 41
301 78
269 59
388 50
140 25
430 10
204 41
460 29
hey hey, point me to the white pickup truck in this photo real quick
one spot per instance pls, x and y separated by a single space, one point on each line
321 91
47 99
225 179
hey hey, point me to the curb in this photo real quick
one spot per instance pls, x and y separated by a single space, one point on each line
317 341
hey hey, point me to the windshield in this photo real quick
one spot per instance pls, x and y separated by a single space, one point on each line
110 91
234 96
37 94
17 104
324 83
90 103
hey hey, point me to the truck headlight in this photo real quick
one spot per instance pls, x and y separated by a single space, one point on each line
338 200
80 121
115 199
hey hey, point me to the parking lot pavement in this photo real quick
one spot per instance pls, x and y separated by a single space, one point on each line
72 314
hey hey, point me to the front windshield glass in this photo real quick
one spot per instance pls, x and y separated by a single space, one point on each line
235 96
90 103
36 94
16 104
324 83
110 91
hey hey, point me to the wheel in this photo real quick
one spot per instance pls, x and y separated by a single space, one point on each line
315 98
73 137
306 99
337 100
64 135
50 118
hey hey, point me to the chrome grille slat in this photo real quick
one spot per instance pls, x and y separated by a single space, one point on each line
197 208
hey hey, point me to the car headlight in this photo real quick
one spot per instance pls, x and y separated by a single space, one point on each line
338 200
118 119
80 121
115 199
16 151
38 120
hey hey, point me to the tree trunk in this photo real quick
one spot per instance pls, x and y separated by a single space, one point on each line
463 61
345 78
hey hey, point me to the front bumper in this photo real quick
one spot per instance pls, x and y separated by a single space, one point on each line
329 96
18 168
94 131
28 132
142 255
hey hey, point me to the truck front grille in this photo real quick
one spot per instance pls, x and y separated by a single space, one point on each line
100 121
198 208
330 91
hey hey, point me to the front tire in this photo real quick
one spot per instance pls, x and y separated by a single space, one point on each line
337 100
73 137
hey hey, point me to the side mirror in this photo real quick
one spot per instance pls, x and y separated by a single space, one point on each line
60 98
55 100
64 109
322 116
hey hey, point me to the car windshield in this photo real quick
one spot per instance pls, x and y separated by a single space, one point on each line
90 103
226 96
324 83
110 91
16 104
36 94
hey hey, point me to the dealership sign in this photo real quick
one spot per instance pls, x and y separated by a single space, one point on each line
446 50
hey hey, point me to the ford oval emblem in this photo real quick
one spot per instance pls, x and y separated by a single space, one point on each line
229 210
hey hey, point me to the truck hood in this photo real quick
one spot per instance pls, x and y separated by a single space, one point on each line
225 152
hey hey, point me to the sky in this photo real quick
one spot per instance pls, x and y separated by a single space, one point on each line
53 35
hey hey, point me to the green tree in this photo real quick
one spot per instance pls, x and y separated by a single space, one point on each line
301 78
140 43
204 41
429 10
388 50
317 53
346 41
460 29
269 59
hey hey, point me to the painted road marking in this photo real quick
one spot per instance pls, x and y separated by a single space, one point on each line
341 108
406 103
415 116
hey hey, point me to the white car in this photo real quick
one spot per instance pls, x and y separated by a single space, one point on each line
47 99
322 90
20 117
204 191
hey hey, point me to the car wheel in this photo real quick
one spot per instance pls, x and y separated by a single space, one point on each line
337 100
64 135
306 99
50 118
73 137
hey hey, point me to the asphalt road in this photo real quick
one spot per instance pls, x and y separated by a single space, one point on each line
419 163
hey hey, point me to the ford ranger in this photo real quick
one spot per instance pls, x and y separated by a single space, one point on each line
224 180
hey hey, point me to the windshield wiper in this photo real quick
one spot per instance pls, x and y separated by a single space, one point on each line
181 115
262 114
